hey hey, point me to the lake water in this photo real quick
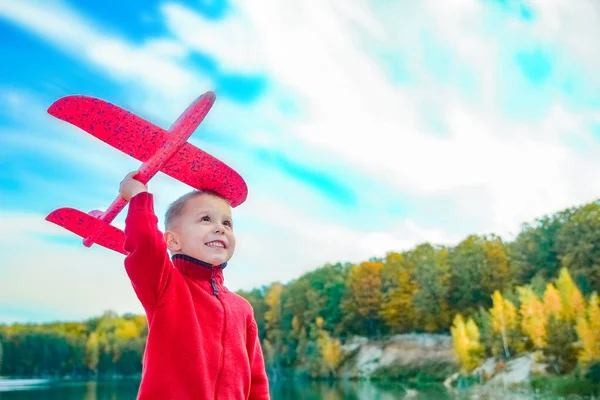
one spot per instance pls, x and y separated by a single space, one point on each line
125 390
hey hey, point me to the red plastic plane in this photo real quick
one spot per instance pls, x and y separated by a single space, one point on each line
159 150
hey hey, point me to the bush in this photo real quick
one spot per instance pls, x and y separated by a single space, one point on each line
593 372
416 373
565 385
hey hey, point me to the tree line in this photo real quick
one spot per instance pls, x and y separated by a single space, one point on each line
429 288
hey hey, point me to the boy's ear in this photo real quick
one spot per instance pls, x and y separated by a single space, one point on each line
172 241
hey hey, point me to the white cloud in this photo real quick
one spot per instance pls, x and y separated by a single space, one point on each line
355 113
155 66
236 49
488 172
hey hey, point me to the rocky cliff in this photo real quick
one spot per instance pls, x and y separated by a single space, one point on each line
421 356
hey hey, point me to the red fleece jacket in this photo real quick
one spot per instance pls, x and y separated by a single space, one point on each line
202 339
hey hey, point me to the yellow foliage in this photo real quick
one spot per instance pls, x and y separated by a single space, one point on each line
589 348
296 324
573 303
273 302
465 341
594 313
552 302
503 312
533 317
365 284
319 322
92 352
589 332
504 318
126 330
397 308
331 350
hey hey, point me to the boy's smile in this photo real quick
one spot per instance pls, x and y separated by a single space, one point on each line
218 244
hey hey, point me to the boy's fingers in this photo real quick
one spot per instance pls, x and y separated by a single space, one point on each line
131 175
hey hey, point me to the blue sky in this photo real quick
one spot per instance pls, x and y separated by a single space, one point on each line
360 128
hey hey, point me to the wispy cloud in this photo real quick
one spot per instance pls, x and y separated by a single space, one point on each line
360 127
158 66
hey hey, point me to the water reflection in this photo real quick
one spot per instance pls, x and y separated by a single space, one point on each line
355 390
287 390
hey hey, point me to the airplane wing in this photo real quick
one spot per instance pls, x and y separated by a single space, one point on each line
200 170
140 139
113 125
84 225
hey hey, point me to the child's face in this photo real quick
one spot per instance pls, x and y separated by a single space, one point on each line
204 230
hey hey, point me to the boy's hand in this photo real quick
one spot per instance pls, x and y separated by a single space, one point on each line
130 187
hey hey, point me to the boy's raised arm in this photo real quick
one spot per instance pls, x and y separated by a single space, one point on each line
147 264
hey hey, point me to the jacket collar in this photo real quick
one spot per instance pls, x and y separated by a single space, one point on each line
198 269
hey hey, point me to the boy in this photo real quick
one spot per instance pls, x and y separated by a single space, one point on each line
202 339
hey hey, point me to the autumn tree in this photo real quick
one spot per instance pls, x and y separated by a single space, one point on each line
552 301
504 319
363 296
533 316
92 353
573 304
330 348
399 287
465 341
563 303
273 331
588 331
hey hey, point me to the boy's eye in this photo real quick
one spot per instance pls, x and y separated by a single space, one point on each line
205 218
228 223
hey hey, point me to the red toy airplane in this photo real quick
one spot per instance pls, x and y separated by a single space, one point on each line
158 150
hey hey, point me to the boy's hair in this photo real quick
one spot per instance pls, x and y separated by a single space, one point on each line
176 208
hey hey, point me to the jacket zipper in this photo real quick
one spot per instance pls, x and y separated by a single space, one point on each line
222 363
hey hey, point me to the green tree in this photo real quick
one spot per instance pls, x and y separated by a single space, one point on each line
578 244
469 267
432 274
534 252
497 273
560 348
